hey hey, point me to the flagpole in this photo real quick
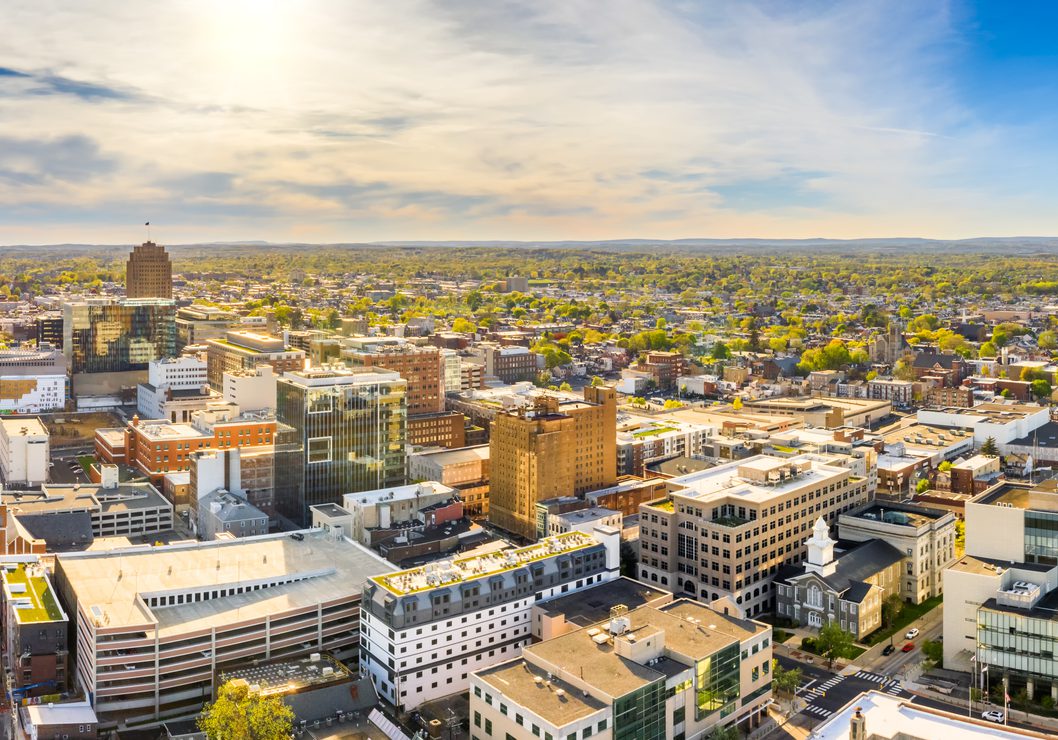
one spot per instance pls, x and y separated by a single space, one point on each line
970 698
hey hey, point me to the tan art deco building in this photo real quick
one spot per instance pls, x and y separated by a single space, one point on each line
149 273
553 448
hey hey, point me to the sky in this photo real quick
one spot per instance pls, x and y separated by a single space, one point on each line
355 121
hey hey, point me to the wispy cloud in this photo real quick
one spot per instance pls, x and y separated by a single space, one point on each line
461 119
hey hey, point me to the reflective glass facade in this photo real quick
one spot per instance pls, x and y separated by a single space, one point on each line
337 439
1041 537
118 337
1019 643
717 682
641 714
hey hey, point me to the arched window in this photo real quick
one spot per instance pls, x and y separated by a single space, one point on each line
815 596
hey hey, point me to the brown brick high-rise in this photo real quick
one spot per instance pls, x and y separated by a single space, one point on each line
554 448
149 273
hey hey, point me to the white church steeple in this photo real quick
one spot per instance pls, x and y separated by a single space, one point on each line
820 550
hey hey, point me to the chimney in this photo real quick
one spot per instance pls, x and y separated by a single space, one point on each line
858 726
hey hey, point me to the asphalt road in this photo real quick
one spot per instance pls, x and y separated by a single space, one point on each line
826 692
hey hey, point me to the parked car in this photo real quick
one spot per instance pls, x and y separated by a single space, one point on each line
992 715
908 647
911 634
889 649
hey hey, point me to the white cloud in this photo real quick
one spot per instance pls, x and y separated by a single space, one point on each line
415 119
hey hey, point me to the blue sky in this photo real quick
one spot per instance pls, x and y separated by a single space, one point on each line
349 120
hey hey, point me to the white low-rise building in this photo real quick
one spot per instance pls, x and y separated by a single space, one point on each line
32 381
425 630
1001 422
24 451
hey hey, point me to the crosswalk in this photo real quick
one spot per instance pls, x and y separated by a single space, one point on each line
895 688
868 676
824 687
818 711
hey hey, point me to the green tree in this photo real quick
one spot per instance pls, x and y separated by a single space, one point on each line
784 681
1047 339
1040 388
988 350
720 351
565 386
596 381
238 713
989 448
945 466
933 650
834 642
891 608
922 486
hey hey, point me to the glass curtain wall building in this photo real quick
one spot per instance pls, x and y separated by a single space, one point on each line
338 432
118 336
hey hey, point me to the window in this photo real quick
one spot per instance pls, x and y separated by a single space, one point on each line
319 450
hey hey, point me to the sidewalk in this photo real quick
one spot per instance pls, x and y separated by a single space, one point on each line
958 706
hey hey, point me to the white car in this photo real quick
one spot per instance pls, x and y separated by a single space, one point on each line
992 715
911 634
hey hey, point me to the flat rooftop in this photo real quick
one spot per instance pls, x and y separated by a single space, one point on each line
23 426
728 482
529 687
926 435
479 566
890 717
29 592
1015 495
592 605
457 456
111 583
690 628
899 515
58 497
1045 437
289 676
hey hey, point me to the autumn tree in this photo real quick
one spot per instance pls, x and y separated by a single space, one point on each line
240 713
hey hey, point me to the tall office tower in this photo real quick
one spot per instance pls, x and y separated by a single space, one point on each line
107 336
339 431
149 273
554 448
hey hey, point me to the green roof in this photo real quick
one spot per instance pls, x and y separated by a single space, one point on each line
42 605
653 431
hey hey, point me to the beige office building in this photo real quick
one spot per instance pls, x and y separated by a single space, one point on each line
726 531
553 448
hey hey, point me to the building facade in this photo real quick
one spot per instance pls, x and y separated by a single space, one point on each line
925 537
427 629
35 629
728 530
106 336
340 432
244 350
554 449
677 671
846 588
156 626
148 272
511 364
32 381
24 451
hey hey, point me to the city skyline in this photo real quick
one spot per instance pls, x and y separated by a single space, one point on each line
326 122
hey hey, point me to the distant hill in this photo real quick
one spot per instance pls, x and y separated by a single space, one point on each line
1019 245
